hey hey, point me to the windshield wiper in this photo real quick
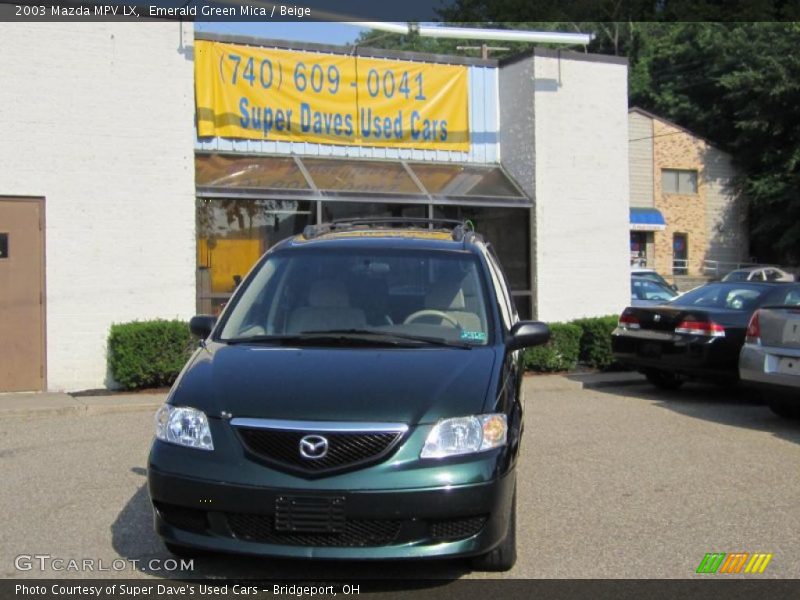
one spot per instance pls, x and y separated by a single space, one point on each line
389 335
317 337
339 336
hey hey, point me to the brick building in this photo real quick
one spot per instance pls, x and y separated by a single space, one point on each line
686 217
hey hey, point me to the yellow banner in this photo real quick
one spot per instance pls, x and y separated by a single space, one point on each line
266 94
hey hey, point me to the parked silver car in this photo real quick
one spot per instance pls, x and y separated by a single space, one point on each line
766 273
770 357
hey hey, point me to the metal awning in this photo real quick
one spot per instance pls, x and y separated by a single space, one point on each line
647 219
353 180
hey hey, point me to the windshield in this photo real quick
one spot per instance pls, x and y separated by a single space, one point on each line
410 296
651 275
740 297
645 289
737 276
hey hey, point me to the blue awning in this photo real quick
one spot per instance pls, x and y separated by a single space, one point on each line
647 219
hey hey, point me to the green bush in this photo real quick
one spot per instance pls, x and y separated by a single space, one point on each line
148 353
596 341
559 354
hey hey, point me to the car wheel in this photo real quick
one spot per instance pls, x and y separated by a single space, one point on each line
784 408
664 379
185 551
504 556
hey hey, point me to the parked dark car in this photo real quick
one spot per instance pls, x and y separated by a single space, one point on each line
770 357
359 398
697 335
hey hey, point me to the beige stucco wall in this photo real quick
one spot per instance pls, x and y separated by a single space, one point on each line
640 159
726 211
673 148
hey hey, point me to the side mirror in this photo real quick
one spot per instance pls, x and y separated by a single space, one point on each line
674 287
528 333
201 325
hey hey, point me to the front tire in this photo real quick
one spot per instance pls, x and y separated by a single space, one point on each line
504 556
664 379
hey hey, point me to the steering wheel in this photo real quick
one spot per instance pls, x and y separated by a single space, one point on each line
431 313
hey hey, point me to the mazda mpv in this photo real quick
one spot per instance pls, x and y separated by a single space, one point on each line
359 398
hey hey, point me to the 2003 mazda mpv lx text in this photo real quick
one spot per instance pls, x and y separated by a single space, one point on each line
359 397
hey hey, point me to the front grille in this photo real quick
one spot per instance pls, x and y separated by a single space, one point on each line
345 449
354 533
456 529
188 519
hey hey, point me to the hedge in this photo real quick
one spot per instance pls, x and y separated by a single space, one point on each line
559 354
145 354
595 345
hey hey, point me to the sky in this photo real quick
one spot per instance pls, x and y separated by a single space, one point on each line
310 31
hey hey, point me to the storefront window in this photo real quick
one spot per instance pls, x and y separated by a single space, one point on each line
231 236
332 211
638 249
459 181
341 176
508 231
249 172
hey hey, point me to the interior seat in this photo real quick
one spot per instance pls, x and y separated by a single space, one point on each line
328 308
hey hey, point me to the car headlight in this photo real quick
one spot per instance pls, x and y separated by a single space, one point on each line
183 426
465 435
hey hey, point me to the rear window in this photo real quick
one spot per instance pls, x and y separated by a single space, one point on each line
786 297
721 296
737 276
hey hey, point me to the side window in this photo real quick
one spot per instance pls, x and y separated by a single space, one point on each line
792 298
507 309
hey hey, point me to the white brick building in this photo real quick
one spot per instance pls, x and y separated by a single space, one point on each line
97 119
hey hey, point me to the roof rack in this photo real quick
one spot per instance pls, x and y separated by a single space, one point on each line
458 229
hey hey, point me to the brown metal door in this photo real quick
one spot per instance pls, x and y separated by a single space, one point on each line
21 294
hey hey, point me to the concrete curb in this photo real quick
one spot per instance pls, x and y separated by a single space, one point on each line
45 405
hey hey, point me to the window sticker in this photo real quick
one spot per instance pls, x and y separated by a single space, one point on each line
473 336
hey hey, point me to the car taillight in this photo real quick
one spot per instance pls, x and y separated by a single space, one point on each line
706 328
753 335
628 321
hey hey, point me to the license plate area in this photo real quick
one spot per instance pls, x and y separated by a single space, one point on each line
650 350
310 514
789 366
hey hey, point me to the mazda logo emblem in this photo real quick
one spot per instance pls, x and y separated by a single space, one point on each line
313 447
657 318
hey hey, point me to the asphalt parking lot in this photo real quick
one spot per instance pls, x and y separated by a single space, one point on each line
625 482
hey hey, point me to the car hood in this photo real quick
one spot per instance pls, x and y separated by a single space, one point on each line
408 385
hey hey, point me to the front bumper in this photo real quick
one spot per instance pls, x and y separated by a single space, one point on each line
446 521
